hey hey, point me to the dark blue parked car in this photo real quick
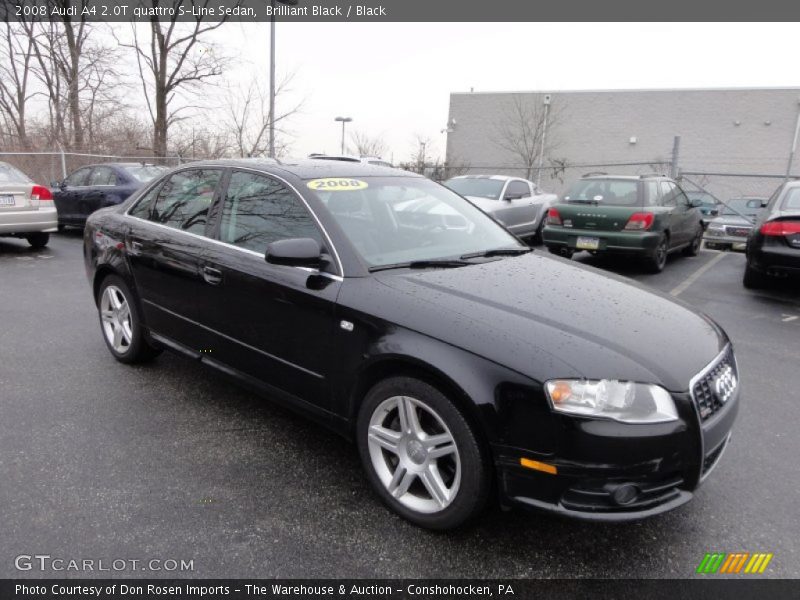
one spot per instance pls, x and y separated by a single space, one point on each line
96 186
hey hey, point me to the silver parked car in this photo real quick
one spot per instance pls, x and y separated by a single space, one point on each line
26 209
730 229
516 203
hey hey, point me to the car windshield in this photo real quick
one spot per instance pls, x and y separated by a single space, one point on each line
393 220
742 206
611 192
145 173
792 199
9 174
479 187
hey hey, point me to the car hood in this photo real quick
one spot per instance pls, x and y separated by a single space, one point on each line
546 317
731 220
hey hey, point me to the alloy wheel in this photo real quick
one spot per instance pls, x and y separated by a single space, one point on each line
115 315
414 454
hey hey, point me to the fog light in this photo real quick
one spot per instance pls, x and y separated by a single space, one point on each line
625 494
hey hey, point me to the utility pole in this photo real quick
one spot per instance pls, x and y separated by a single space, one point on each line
676 150
547 98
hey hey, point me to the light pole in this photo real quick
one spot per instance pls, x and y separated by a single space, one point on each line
343 120
272 72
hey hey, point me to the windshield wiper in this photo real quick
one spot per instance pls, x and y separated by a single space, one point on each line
444 263
497 252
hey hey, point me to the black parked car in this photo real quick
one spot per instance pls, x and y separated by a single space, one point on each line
773 247
397 313
96 186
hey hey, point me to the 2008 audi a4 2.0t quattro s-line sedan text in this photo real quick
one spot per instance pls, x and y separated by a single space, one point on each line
464 365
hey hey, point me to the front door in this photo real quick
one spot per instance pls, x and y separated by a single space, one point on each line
66 196
272 322
517 211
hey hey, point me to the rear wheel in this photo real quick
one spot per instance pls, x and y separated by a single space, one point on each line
120 322
421 455
38 239
693 248
656 262
753 279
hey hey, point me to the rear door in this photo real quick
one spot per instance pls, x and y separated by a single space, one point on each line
99 187
681 225
66 197
272 322
166 247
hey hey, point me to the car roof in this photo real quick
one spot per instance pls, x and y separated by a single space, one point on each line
625 177
123 165
497 177
308 168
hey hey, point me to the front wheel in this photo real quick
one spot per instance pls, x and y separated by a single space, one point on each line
38 239
120 322
421 456
693 248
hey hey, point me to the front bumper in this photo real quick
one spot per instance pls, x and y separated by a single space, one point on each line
621 242
610 471
716 238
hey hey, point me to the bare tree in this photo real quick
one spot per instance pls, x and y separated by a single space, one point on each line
16 57
522 130
248 118
366 145
175 60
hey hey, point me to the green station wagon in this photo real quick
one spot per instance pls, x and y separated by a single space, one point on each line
647 216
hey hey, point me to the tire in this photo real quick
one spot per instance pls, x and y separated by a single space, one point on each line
656 262
694 248
38 239
61 228
435 492
120 322
753 279
538 237
561 251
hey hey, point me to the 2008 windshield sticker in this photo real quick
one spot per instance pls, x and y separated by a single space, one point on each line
336 184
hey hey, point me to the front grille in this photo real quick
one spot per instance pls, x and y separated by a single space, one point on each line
598 495
716 385
738 231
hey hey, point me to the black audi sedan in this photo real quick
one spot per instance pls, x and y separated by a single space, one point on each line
387 307
773 246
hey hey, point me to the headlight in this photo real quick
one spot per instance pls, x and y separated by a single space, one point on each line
618 400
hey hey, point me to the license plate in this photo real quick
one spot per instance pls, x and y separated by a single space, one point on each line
739 231
6 200
588 243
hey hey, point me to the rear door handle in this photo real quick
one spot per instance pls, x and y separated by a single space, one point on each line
212 276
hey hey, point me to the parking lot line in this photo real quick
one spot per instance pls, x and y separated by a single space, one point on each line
684 285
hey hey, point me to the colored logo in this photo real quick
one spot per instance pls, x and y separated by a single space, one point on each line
736 562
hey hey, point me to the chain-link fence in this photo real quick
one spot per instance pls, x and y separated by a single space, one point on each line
725 186
46 167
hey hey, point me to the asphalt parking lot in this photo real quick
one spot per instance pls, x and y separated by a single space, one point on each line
171 461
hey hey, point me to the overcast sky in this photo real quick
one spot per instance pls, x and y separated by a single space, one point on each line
394 79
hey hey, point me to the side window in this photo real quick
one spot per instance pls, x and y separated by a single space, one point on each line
518 189
103 176
185 198
669 194
78 178
682 199
142 208
259 210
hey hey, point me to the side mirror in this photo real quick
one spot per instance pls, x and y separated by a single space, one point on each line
714 212
57 185
763 204
695 203
295 252
510 197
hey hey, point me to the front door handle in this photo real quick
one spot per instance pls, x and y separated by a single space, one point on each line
212 276
134 247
